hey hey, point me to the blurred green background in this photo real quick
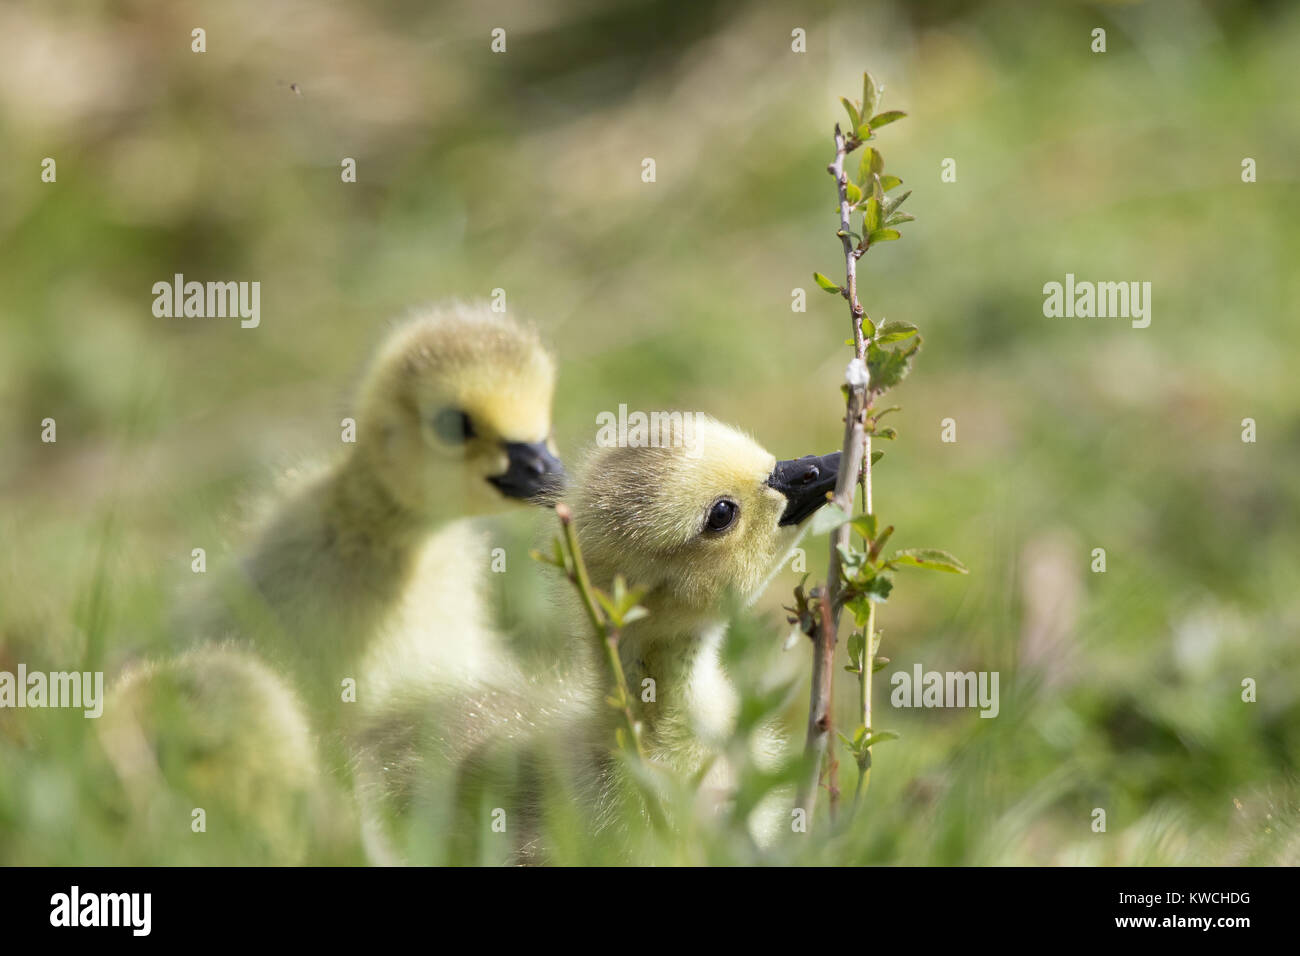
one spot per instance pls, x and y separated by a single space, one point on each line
522 171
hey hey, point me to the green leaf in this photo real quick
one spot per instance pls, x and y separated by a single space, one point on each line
899 217
893 202
558 557
884 119
865 525
886 433
854 193
877 738
931 558
857 644
606 602
825 283
622 606
888 367
876 456
537 556
894 332
878 544
863 132
868 329
855 118
871 164
883 235
878 588
633 614
828 517
870 94
879 664
889 182
871 217
861 608
850 560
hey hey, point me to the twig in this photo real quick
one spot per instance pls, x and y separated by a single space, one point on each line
607 627
868 668
607 633
854 461
864 694
858 579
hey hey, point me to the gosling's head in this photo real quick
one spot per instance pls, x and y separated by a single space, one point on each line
691 524
455 410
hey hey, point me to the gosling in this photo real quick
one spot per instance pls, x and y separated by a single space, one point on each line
689 526
453 420
210 760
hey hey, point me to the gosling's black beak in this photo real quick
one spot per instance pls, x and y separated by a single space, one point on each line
533 474
804 482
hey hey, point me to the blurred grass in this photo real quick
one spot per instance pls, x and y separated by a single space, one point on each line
522 171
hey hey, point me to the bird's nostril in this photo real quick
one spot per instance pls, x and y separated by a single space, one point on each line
810 474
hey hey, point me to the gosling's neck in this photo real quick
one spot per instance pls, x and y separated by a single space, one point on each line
693 703
336 557
367 516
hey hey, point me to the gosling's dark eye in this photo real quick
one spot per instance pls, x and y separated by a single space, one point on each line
721 514
453 426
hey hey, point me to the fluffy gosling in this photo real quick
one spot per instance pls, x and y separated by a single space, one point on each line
689 529
453 419
214 762
689 526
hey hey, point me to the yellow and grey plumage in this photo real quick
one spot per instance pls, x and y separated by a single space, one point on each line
365 571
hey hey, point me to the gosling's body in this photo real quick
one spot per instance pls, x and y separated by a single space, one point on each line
335 596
